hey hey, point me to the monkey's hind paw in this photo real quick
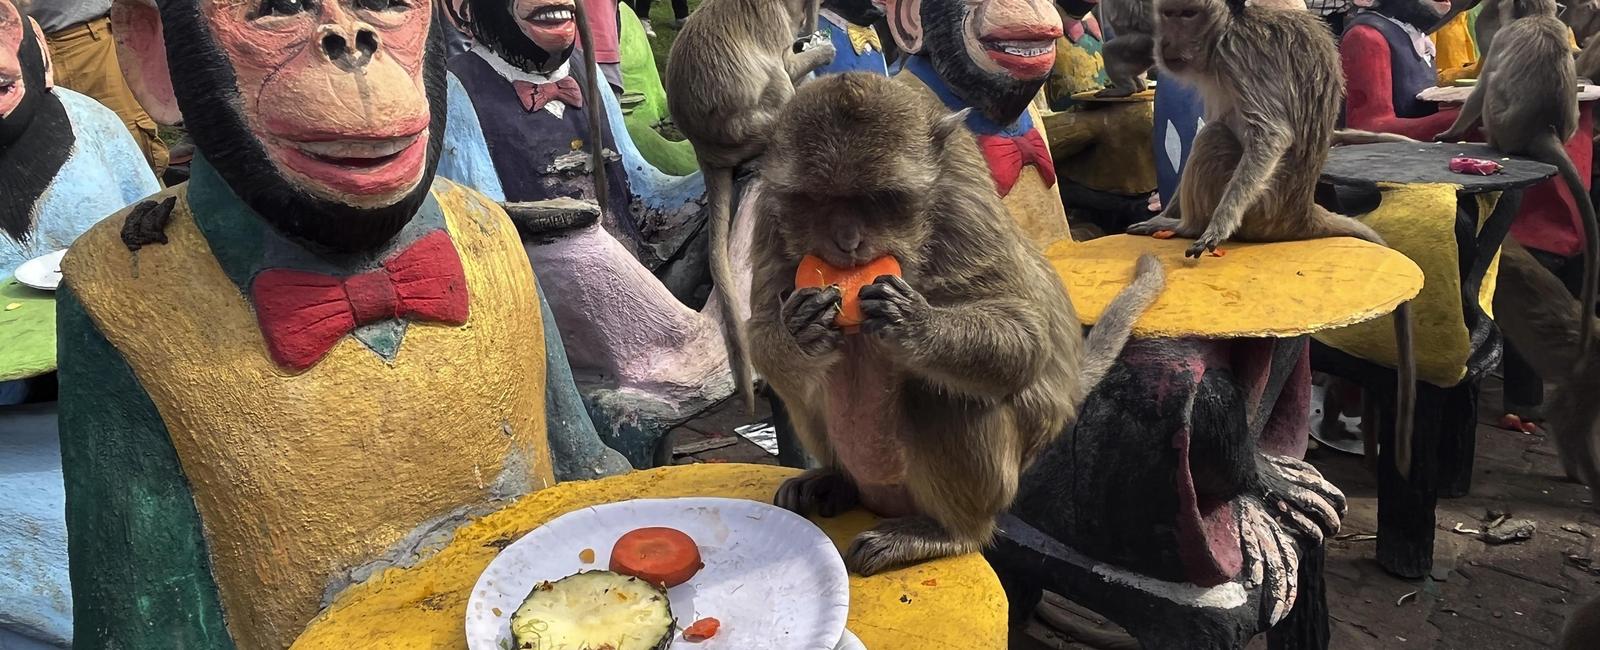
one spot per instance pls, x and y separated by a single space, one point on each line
901 542
1154 225
827 492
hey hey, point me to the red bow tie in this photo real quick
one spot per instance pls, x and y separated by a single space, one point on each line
535 96
303 314
1007 155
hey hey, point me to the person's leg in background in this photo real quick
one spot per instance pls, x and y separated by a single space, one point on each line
680 12
84 57
641 8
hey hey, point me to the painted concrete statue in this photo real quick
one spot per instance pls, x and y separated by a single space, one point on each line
856 46
992 56
311 360
646 360
63 164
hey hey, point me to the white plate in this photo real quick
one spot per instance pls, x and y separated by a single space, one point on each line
773 579
42 273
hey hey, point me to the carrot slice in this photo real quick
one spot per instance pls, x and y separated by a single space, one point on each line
814 272
702 629
659 556
1164 234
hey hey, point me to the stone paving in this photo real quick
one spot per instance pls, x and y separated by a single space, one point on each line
1479 597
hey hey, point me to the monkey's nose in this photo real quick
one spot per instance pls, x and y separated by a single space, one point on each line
847 241
349 54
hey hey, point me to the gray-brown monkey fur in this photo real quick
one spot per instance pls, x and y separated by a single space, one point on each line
729 73
1582 631
1538 316
976 355
1531 110
1273 87
1131 50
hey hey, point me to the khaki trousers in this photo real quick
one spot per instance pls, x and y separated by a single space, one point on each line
85 60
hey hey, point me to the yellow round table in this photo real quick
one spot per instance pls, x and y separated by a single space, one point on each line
951 604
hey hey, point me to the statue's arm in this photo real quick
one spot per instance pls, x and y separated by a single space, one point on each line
141 578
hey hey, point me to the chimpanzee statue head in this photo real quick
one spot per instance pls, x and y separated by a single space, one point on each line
323 116
1421 14
995 54
534 35
24 71
857 12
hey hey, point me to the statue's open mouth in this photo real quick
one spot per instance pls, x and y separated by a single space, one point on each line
358 164
1026 52
551 16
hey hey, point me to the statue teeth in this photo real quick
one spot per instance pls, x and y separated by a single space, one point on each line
357 148
1024 48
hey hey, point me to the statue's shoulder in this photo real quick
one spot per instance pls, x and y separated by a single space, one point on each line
140 226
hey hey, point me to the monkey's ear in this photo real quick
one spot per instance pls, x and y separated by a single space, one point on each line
949 125
905 22
44 53
142 54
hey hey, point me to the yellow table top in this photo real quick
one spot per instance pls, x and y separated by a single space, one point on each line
1255 290
951 604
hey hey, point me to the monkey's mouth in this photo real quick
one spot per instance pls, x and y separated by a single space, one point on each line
1028 54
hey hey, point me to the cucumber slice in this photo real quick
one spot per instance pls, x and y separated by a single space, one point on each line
594 610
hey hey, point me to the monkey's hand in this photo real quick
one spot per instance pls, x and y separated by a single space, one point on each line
1207 242
808 315
892 310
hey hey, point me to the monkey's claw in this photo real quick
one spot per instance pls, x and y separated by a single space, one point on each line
808 315
1204 244
827 492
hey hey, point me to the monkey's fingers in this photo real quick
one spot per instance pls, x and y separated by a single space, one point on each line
1201 246
805 305
887 287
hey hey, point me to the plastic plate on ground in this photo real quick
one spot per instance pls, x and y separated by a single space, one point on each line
43 272
772 578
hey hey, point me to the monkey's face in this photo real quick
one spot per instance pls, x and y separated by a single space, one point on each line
848 231
12 85
550 24
858 12
334 89
1184 32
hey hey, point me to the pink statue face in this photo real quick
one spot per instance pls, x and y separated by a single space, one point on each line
334 89
11 84
1015 37
550 24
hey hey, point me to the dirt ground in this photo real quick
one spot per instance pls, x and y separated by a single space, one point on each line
1479 596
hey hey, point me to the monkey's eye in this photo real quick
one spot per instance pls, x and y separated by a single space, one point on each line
281 7
381 5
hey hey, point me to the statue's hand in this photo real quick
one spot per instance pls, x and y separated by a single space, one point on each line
1297 495
542 222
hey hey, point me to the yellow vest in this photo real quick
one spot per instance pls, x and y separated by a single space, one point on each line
301 478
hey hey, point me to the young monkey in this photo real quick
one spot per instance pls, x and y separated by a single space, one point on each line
966 364
729 73
1270 119
1527 98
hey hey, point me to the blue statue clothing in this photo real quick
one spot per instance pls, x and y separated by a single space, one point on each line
922 67
1179 114
846 58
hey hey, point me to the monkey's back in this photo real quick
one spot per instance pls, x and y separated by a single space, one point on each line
720 68
1531 84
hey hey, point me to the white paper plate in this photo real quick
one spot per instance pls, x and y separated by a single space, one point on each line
772 578
43 273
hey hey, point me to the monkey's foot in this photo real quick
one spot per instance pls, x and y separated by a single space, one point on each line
1154 225
826 491
901 542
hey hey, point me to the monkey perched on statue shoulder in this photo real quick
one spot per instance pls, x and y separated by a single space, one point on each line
729 73
1527 97
1254 168
966 362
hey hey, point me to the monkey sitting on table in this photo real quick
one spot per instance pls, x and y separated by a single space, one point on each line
1271 116
729 73
1530 110
967 362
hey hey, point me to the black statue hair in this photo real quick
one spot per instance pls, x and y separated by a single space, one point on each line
208 95
35 141
857 12
1411 12
997 96
492 23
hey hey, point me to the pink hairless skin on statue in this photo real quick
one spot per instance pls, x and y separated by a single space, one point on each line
548 23
11 85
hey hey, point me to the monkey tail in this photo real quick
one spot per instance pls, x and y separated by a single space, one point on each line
591 92
1115 326
719 200
1344 137
1548 149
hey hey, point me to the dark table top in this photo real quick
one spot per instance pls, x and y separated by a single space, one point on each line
1428 162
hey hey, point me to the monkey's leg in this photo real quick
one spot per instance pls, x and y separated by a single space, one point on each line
798 65
963 458
1262 147
1471 112
1127 56
827 491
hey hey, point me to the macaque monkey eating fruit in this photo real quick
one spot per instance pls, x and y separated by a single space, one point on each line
1273 87
729 73
968 360
1527 97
